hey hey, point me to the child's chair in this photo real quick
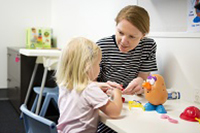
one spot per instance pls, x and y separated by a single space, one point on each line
36 124
49 94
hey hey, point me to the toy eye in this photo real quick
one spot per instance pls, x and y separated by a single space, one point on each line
151 81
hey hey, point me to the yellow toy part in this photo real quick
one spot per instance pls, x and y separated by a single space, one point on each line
197 120
135 104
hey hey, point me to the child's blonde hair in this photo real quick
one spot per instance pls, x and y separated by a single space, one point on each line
76 60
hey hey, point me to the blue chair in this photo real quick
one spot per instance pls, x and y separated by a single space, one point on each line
49 94
36 124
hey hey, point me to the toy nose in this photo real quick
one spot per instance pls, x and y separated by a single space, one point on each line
146 85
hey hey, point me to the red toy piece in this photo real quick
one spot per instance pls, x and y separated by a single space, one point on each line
123 99
190 113
122 87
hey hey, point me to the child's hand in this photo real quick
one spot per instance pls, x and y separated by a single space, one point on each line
111 92
104 86
114 85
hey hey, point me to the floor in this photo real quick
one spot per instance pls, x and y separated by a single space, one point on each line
9 119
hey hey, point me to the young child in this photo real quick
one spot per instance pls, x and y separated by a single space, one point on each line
80 97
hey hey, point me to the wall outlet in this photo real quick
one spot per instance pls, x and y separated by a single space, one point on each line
197 96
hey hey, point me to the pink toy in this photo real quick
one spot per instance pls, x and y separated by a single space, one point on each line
169 119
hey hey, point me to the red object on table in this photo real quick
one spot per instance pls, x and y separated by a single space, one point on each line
123 99
190 113
122 87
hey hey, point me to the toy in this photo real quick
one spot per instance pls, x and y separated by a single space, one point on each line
155 93
38 38
197 120
173 95
135 104
170 119
123 99
191 113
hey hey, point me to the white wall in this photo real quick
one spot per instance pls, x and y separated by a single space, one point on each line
178 53
92 18
89 18
179 63
166 15
178 57
16 16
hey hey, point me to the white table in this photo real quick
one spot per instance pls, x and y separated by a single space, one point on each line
138 121
47 57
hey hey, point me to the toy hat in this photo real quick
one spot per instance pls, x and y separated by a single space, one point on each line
190 113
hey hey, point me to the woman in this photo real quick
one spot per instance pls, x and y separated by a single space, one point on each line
128 57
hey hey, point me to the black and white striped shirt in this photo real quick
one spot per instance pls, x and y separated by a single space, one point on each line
124 67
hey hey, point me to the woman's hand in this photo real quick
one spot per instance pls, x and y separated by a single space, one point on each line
134 87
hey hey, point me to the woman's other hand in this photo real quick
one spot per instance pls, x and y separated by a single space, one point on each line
134 87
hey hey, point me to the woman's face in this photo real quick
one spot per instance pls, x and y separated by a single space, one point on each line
127 36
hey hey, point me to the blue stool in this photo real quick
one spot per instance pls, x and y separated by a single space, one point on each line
48 93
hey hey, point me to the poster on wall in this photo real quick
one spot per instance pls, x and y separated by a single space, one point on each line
193 16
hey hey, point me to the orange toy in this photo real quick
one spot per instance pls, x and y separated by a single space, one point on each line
155 93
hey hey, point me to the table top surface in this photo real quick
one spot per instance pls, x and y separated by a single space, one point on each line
40 52
139 121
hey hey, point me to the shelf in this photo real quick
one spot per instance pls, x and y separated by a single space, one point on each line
40 52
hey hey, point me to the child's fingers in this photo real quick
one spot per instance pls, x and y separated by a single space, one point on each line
114 85
104 86
109 92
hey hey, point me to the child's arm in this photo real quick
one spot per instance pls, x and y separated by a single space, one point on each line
113 108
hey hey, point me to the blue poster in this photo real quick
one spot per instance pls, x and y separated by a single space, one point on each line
193 16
